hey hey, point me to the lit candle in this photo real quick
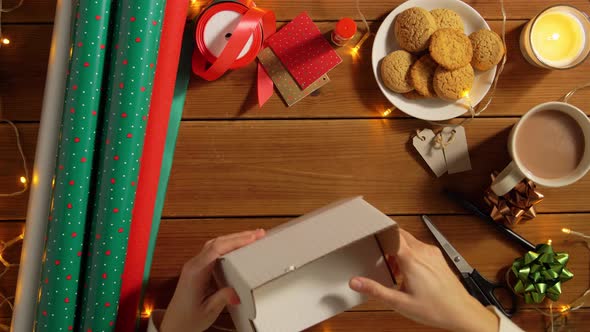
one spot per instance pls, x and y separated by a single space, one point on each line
557 38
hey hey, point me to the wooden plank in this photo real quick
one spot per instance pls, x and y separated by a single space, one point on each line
285 168
528 320
250 168
23 65
9 231
31 11
179 240
43 11
353 91
482 246
11 168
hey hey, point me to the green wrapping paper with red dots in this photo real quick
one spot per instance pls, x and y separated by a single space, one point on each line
62 262
137 33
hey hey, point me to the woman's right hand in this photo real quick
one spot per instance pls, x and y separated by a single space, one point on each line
429 292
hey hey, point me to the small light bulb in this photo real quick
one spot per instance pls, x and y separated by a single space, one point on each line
566 230
564 308
387 112
5 41
147 312
194 8
549 242
23 180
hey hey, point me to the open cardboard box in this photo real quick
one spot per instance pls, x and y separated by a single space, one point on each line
298 274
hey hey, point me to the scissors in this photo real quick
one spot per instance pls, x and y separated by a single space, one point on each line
478 286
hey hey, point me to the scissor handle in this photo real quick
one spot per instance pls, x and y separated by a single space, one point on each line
483 290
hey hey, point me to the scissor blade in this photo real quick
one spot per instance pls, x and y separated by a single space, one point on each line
453 254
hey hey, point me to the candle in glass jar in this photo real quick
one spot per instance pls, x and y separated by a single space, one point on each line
558 38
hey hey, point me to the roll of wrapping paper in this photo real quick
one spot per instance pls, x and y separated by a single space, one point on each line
149 172
229 35
138 34
180 90
60 275
27 287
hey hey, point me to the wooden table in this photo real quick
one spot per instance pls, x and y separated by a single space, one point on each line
238 167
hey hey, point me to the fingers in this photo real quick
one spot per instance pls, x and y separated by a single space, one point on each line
198 270
228 243
394 267
215 303
374 289
258 233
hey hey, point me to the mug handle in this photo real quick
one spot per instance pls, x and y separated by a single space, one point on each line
508 179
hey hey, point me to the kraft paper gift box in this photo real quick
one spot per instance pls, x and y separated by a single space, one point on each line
298 274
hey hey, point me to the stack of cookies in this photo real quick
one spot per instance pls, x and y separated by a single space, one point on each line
437 58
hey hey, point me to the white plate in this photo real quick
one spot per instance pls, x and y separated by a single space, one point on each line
432 109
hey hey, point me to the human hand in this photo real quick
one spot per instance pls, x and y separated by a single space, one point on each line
430 293
197 303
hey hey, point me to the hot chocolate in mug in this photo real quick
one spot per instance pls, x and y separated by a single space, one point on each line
549 145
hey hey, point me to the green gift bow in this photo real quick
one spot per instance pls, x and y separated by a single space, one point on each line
540 273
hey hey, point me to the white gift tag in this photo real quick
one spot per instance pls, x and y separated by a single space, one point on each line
434 157
456 150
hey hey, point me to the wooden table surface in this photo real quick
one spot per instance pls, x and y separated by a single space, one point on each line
238 167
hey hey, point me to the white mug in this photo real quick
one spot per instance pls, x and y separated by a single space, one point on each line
516 172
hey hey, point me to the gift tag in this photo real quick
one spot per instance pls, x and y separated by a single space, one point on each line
456 150
434 157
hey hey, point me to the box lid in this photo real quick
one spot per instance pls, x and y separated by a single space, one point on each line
299 242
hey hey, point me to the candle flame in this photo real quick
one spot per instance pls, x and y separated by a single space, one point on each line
5 41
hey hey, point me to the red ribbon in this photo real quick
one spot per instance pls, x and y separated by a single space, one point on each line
249 26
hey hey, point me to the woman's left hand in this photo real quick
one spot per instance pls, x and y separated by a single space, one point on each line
196 303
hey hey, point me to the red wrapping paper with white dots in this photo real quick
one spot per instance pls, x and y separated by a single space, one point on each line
133 65
62 259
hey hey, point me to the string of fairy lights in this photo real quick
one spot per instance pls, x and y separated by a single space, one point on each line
24 179
4 40
557 319
7 266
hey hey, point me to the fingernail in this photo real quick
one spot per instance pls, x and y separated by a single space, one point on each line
356 284
235 300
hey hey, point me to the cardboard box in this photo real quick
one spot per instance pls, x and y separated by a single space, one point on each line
298 274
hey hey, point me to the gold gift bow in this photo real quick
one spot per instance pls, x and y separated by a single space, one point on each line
517 205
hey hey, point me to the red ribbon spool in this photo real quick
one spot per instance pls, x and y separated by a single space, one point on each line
229 35
222 20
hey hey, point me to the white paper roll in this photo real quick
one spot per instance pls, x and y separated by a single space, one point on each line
40 186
